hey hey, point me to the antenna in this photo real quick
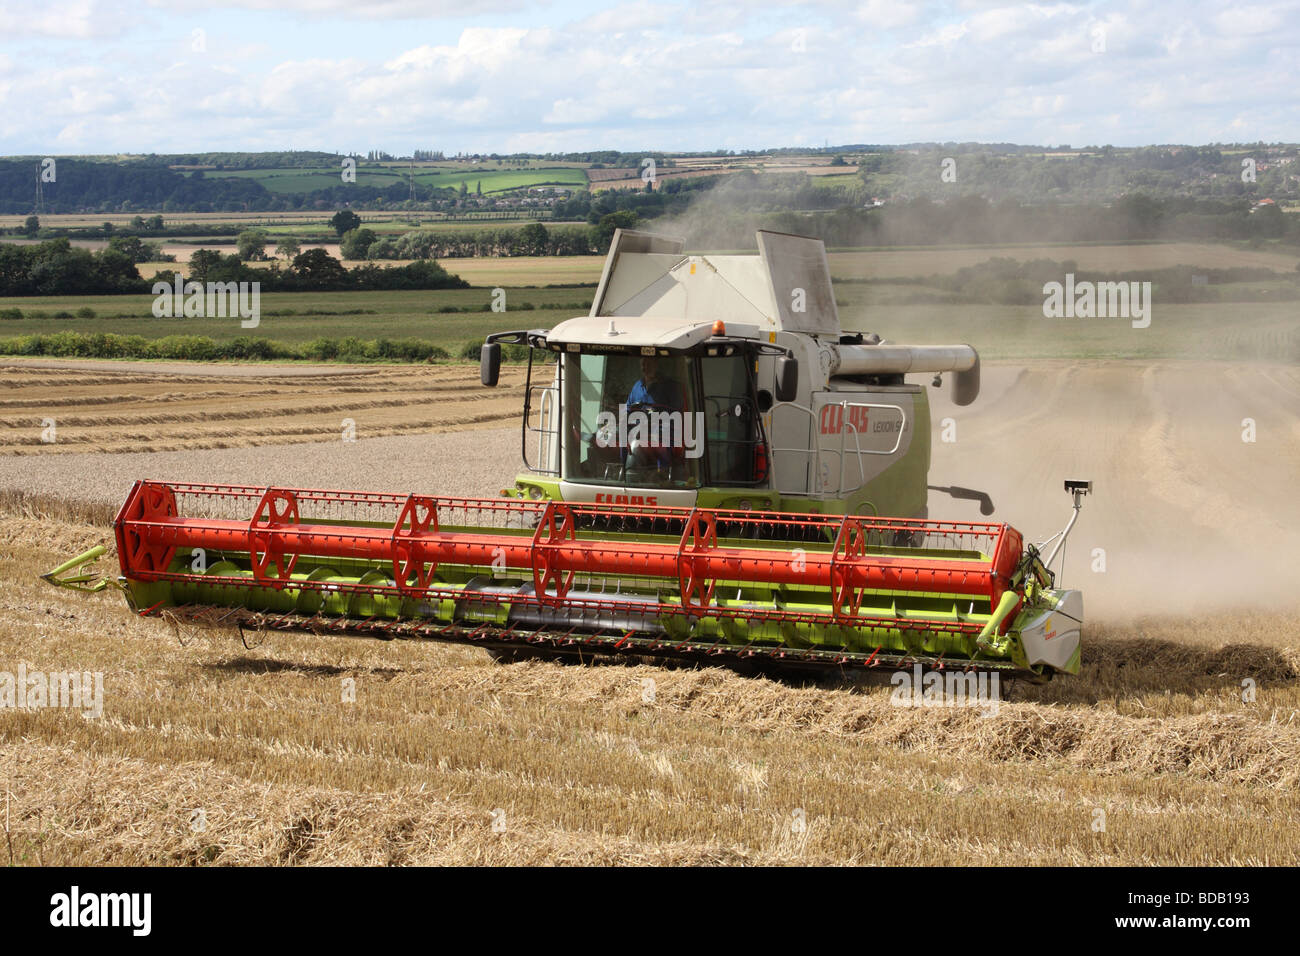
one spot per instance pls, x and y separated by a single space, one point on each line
40 192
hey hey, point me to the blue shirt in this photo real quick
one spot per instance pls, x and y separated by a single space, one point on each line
666 393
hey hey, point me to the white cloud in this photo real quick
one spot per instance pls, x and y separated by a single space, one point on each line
887 14
945 36
631 17
351 9
65 19
644 75
1249 20
73 136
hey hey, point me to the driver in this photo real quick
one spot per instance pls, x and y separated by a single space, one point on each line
653 389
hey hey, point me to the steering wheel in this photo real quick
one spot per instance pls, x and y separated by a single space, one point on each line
655 451
653 406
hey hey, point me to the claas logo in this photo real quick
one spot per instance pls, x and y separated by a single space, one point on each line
833 418
604 499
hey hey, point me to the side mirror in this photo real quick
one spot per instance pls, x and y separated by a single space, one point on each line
489 363
787 378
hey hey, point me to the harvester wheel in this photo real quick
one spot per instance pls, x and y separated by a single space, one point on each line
513 655
799 675
909 539
510 655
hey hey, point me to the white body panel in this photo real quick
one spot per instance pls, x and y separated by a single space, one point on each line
616 495
1051 637
786 287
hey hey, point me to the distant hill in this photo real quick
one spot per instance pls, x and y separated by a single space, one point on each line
81 185
860 176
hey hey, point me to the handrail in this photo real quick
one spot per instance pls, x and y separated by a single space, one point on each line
545 433
821 449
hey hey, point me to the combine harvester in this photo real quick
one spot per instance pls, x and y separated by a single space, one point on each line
715 471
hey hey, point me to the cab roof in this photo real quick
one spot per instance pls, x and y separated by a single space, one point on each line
652 294
620 333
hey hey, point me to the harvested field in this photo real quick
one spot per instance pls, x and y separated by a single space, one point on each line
447 757
526 270
630 178
141 407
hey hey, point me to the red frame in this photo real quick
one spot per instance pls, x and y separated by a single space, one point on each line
150 529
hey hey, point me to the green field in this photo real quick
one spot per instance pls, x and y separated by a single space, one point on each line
1242 330
494 180
393 315
1247 329
834 180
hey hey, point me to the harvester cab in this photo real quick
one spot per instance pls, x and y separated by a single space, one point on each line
767 404
715 471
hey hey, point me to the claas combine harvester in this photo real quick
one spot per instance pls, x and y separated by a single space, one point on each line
714 471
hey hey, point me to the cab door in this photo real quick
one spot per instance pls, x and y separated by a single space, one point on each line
736 451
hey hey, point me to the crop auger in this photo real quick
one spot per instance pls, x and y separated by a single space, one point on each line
715 471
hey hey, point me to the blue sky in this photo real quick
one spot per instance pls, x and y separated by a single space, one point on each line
85 76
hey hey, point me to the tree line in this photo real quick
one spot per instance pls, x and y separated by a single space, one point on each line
316 271
1104 174
533 239
56 267
202 348
79 185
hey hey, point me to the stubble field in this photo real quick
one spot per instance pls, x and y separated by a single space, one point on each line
217 749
